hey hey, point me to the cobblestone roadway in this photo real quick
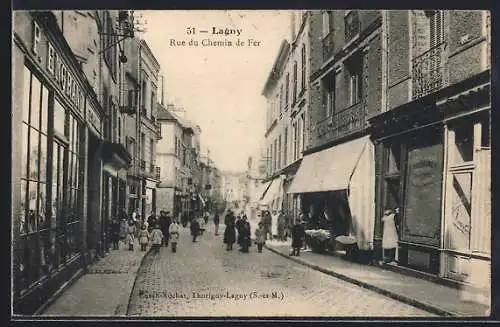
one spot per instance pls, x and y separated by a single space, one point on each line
167 282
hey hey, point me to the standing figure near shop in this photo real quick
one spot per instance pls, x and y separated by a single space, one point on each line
298 235
201 223
216 223
115 233
144 237
229 232
174 230
195 229
156 238
238 225
244 234
390 235
260 237
281 226
131 231
267 220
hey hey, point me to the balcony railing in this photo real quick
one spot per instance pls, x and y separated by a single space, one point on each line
143 165
340 124
157 173
428 70
328 46
352 25
152 168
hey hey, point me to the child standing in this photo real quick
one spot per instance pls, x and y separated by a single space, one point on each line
131 235
144 237
260 237
157 238
173 230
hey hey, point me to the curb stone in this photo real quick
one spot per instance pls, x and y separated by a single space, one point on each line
402 298
120 310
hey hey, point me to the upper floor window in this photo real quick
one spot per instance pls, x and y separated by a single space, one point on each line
427 51
328 84
287 88
294 94
354 68
303 67
327 22
352 27
36 37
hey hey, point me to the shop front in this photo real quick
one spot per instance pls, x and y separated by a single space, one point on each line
49 166
336 190
435 167
116 160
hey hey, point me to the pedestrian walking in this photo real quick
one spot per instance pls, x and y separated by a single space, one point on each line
195 229
201 222
298 235
389 236
267 220
156 238
260 237
238 225
174 230
131 235
165 220
216 223
229 232
143 237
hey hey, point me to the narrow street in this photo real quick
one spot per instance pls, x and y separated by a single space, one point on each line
203 279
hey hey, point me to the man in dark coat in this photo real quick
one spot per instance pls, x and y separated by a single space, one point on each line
239 223
195 229
298 235
229 232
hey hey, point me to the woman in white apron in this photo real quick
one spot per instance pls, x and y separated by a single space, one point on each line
390 236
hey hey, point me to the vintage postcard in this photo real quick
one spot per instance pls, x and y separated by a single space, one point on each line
251 163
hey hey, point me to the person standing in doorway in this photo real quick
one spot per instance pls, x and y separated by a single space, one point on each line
389 236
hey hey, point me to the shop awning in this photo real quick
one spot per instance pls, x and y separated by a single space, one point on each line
330 169
259 190
274 191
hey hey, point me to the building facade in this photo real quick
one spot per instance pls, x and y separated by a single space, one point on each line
433 141
178 162
289 97
65 181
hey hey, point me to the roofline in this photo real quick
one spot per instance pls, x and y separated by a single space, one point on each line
150 53
283 51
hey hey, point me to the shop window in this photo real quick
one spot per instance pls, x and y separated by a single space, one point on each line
33 217
393 158
464 144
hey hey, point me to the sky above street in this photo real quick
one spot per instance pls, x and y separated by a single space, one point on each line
219 87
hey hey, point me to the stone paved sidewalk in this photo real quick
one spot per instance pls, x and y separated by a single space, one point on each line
419 292
104 290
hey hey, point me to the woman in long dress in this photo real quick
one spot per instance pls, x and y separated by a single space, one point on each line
390 236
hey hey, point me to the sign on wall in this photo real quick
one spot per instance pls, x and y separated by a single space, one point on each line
424 179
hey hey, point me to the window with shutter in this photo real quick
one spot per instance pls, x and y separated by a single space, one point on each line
36 37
